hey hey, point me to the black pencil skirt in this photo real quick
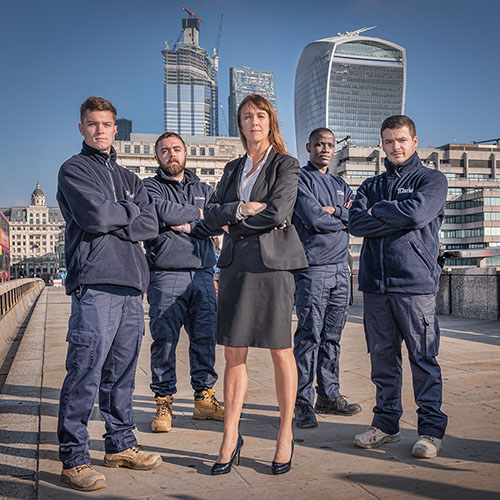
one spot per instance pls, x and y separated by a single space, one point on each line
255 303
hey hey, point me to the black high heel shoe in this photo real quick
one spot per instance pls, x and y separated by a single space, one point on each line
226 467
277 468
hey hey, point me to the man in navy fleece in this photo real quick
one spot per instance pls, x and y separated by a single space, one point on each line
399 214
107 212
322 290
181 291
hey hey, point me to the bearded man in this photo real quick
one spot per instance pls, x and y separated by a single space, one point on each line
181 290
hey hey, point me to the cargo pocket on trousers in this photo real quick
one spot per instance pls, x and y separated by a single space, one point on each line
431 337
81 348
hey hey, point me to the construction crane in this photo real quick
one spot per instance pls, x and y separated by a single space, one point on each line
219 33
217 44
191 14
224 116
497 141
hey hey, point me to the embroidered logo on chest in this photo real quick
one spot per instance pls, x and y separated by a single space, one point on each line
405 190
340 192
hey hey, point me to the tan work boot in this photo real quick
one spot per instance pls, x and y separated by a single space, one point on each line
206 406
164 414
83 478
133 458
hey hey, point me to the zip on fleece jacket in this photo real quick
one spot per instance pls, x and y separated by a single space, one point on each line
401 236
107 213
178 203
324 236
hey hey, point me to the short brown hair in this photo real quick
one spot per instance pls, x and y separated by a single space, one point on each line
399 121
96 104
166 135
275 136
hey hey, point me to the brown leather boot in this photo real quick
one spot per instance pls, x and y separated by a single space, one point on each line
206 406
133 458
83 478
164 414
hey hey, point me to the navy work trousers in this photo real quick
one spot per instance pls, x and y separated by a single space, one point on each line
389 319
321 303
178 298
104 337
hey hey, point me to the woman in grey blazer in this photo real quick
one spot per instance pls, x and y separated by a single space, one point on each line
253 204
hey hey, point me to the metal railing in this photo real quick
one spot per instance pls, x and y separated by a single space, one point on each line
11 292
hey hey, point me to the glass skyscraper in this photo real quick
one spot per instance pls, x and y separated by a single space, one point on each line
350 84
244 81
190 86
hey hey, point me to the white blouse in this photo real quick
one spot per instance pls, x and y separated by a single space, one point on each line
247 183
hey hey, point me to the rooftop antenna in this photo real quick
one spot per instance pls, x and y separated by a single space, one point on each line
497 141
356 32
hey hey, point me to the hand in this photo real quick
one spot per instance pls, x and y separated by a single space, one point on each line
225 229
330 210
183 228
201 214
348 203
252 208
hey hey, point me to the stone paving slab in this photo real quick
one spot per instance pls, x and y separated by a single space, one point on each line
325 464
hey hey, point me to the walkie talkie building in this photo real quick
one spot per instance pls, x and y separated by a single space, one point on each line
350 84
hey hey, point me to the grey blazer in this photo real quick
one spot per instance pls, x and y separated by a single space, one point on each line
276 186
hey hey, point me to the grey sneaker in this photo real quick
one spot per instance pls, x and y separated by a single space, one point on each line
374 437
426 447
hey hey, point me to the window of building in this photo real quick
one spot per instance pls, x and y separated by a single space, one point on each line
193 151
137 149
150 170
211 152
146 149
207 171
127 148
136 170
202 151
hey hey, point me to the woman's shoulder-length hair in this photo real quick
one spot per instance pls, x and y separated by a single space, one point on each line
275 137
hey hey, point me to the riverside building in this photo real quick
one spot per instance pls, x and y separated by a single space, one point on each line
207 156
36 237
349 83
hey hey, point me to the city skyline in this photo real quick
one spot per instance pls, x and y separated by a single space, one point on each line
349 83
55 58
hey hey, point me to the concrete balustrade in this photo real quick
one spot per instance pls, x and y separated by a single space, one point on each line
16 299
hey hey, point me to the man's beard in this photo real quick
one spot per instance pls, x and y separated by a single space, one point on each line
173 168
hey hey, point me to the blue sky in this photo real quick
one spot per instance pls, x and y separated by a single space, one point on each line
56 53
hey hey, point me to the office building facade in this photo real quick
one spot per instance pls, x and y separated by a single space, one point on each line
244 81
207 156
36 237
350 84
190 86
472 212
124 128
